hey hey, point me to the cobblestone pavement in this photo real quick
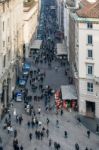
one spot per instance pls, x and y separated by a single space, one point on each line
76 131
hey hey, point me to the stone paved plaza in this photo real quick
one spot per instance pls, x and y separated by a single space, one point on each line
77 133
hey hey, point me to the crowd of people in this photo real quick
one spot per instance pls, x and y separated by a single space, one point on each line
40 92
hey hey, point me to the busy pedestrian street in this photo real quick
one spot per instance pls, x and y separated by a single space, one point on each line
35 122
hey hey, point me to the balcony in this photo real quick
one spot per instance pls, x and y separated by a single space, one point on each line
28 3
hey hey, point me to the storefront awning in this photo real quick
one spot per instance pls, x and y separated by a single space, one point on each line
68 92
61 49
36 45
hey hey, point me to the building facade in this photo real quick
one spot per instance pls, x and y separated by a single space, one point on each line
68 6
31 12
84 43
11 46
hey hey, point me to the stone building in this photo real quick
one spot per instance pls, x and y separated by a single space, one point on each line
11 46
84 53
18 23
31 11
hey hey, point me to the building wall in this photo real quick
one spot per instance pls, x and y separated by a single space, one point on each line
66 27
83 47
11 47
78 49
83 62
30 27
85 96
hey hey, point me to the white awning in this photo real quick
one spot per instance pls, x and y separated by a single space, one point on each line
36 44
68 92
61 49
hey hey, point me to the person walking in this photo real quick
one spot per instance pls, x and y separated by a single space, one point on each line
42 134
17 118
50 142
57 123
47 133
21 147
39 110
61 112
47 121
28 124
76 146
1 148
65 134
88 133
30 136
20 120
97 128
15 133
86 148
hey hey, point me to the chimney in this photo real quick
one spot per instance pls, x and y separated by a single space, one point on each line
77 3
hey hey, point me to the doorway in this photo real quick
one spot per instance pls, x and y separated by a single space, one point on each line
90 109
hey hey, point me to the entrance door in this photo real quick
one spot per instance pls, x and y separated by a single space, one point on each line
90 109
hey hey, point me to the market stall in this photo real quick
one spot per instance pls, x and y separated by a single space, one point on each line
36 45
58 101
69 96
61 51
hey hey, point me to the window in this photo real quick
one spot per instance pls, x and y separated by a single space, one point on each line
9 53
90 53
90 69
3 7
3 43
8 39
3 25
8 22
4 60
90 40
90 87
89 25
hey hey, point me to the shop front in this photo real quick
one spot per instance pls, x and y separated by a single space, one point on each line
90 109
69 97
66 98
